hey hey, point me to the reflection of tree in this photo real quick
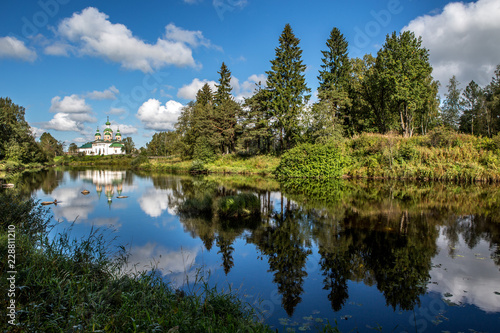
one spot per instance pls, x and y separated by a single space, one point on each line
284 244
226 249
336 269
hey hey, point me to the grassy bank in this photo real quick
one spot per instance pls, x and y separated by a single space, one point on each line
226 164
440 155
65 285
109 160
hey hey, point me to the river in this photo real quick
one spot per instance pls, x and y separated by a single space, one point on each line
389 256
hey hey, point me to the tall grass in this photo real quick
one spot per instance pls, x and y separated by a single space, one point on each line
68 285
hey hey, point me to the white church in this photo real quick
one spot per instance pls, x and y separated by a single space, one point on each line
106 145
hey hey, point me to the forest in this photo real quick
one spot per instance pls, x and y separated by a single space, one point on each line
393 92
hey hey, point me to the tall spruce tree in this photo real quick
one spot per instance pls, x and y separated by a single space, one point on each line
225 113
333 91
287 89
452 105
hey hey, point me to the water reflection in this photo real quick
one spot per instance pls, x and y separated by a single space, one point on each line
317 244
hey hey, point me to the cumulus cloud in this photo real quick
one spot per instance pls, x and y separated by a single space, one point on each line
247 88
37 132
159 117
189 91
71 114
93 34
69 104
11 47
463 40
58 49
109 93
63 122
124 129
192 38
240 90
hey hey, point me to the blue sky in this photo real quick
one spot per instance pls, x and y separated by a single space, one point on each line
73 63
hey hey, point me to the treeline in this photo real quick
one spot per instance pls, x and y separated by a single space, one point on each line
17 142
392 92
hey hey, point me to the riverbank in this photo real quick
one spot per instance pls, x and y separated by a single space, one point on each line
441 155
78 285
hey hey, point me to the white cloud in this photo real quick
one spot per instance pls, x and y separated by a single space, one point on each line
159 117
11 47
192 38
80 140
95 35
124 129
69 104
463 40
189 91
59 49
247 88
109 93
37 132
63 122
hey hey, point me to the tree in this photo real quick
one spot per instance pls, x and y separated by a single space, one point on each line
128 145
452 105
50 145
17 143
163 144
334 101
73 148
492 114
473 107
225 113
404 71
287 89
256 127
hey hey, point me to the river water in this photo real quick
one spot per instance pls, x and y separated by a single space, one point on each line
389 256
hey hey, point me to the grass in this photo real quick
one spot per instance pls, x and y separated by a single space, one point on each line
68 285
226 164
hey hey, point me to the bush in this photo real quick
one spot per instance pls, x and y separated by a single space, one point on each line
241 205
203 151
312 161
197 166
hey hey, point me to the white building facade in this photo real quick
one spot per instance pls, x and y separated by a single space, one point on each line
104 145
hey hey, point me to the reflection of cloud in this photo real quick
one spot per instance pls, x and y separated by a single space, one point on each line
106 221
175 264
155 201
471 277
73 204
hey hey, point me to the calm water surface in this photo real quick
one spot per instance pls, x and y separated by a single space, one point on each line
391 256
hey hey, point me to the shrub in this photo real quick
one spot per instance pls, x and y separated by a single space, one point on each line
203 151
241 205
197 166
312 161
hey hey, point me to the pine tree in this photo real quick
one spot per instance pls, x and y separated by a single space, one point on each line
287 89
452 105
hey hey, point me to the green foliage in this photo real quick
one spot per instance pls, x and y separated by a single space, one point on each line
286 89
238 206
197 166
452 105
203 151
16 141
312 161
51 146
139 161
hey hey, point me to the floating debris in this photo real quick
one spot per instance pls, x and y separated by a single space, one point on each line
122 196
308 318
85 192
497 293
448 295
345 317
